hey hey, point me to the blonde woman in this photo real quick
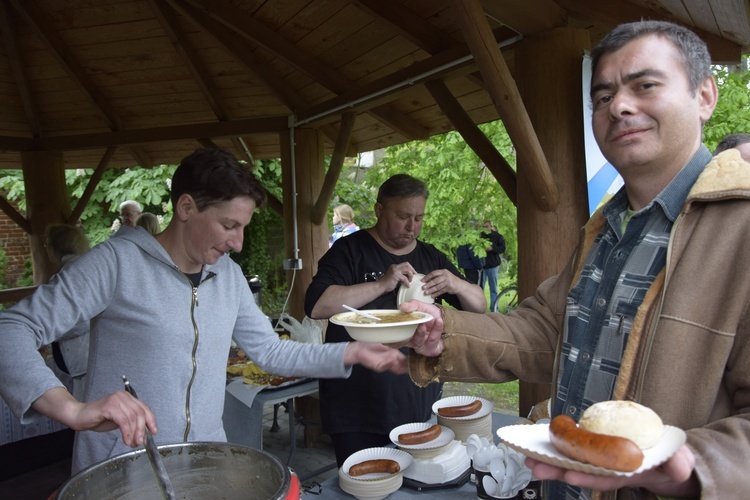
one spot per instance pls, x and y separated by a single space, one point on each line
343 223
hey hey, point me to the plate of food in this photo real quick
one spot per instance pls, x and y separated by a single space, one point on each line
391 326
421 436
376 463
413 291
462 407
608 452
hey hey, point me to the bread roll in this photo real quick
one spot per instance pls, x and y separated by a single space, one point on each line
625 419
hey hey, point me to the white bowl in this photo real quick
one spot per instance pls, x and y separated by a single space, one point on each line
367 330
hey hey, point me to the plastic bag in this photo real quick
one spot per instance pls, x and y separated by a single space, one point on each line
310 330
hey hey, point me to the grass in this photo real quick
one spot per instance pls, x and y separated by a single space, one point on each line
503 396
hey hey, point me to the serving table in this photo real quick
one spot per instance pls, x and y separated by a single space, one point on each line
244 405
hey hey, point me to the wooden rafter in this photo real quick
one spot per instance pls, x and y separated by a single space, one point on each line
14 215
244 55
474 137
507 99
152 135
96 177
334 168
16 67
46 32
408 24
614 13
252 29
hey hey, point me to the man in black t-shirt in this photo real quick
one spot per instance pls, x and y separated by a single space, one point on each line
364 270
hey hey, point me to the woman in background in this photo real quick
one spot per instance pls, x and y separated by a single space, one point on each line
343 223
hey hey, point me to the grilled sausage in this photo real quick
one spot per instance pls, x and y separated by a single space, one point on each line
460 411
420 437
611 452
370 466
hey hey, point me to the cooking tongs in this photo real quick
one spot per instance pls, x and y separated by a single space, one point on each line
153 454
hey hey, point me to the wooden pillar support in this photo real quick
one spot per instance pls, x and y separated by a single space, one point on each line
46 203
312 239
507 99
546 240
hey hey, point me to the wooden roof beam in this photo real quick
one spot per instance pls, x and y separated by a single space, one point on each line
407 24
247 26
202 78
614 13
507 99
47 33
14 215
96 177
16 67
243 54
156 134
334 168
474 137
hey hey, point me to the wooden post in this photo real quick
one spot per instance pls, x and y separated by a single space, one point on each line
312 238
551 89
46 203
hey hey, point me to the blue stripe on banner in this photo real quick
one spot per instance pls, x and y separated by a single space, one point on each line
599 184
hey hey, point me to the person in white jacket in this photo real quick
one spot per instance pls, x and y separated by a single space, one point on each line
164 310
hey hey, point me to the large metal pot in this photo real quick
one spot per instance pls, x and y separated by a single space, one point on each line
197 471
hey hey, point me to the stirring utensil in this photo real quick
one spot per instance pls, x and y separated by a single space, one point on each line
153 454
361 313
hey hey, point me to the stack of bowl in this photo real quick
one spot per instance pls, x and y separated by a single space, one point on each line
376 485
479 423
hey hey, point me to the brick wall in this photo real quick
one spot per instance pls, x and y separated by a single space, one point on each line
15 242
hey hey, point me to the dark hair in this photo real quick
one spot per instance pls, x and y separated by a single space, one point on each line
211 176
731 141
693 51
401 186
63 240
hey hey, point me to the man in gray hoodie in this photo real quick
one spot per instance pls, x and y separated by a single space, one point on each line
163 312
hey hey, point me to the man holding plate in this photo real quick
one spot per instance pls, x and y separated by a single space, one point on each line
370 269
652 307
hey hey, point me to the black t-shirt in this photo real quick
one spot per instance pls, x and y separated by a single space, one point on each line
369 401
498 248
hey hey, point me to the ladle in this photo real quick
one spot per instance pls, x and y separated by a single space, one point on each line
361 313
165 485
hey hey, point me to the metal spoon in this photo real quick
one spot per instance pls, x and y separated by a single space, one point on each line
165 485
361 313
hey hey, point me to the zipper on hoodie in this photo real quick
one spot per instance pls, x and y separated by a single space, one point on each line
196 337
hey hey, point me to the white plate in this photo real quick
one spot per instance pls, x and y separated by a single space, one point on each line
446 436
413 291
533 441
404 460
486 408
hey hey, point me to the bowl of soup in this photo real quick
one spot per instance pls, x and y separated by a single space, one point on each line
394 325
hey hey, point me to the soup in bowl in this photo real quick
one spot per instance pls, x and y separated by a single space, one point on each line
394 325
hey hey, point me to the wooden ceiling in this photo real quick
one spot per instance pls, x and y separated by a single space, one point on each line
156 79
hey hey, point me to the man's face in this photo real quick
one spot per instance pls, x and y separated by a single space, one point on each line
217 229
400 220
128 215
645 116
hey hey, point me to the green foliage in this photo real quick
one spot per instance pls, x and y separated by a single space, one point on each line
732 113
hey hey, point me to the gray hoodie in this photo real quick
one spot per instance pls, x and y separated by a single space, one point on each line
150 324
